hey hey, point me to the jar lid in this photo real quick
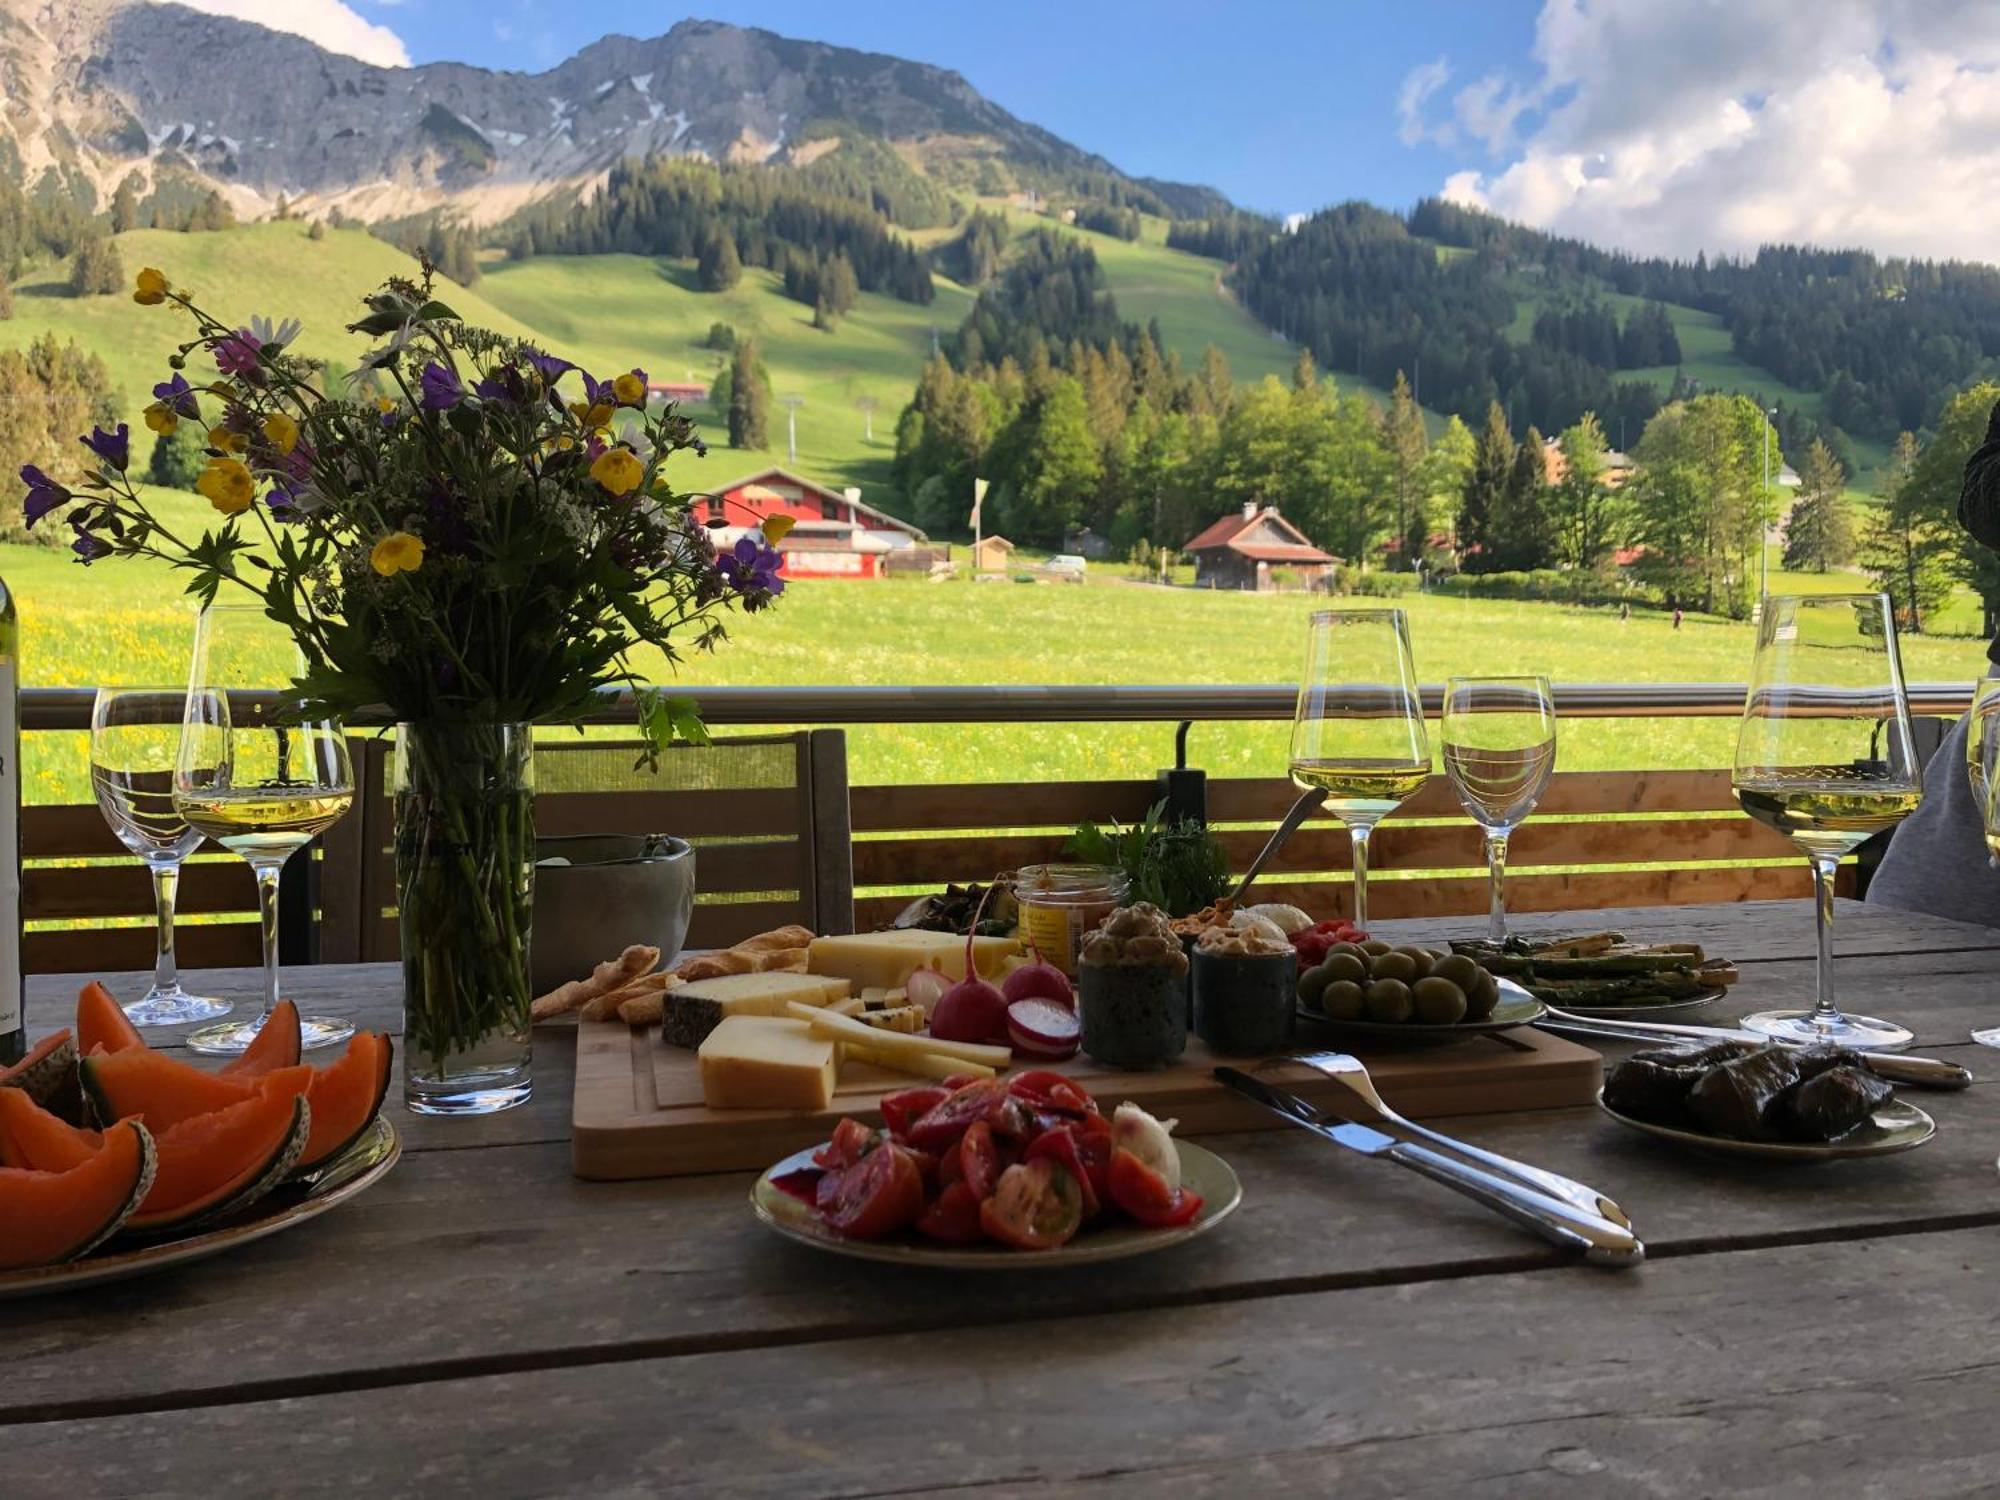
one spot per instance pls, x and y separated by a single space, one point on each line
1032 881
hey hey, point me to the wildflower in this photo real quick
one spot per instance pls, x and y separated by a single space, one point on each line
618 470
597 392
160 417
89 548
398 552
591 414
751 568
177 396
227 484
44 494
441 387
229 440
547 366
236 354
282 335
281 432
630 388
115 448
151 289
777 528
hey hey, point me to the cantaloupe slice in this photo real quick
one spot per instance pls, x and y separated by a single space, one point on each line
161 1089
346 1096
224 1161
50 1217
48 1075
33 1140
101 1022
276 1045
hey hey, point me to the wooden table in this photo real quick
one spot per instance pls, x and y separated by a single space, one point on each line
483 1324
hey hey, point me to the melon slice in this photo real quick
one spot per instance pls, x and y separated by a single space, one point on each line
346 1096
48 1075
101 1022
49 1217
160 1088
34 1140
276 1045
224 1161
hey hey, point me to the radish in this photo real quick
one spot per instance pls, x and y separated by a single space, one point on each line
972 1010
926 987
1040 1027
1039 980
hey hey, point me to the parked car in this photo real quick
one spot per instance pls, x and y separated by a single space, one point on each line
1067 565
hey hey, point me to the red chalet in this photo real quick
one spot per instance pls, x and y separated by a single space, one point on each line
1240 552
837 535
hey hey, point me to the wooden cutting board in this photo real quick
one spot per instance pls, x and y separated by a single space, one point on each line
639 1111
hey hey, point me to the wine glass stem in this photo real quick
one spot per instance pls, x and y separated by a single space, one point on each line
166 885
267 904
1496 880
1824 1011
1358 835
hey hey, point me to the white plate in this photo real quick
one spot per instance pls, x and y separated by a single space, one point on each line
1896 1126
359 1167
1202 1171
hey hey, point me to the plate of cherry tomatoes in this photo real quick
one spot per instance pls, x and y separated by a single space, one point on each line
998 1174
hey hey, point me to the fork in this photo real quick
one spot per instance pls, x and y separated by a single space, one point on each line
1347 1069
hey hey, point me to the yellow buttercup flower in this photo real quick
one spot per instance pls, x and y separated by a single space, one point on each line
160 417
591 416
151 289
630 389
228 485
281 432
398 552
227 440
776 528
384 405
618 470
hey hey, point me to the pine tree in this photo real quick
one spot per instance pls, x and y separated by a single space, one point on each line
97 269
719 267
749 400
1909 542
318 230
1583 508
1403 435
213 212
125 207
1819 533
1216 391
1484 496
838 286
1522 531
177 456
1304 376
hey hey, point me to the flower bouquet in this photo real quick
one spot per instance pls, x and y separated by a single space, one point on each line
474 536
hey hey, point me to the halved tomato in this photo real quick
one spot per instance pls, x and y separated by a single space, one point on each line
1144 1194
907 1105
946 1120
979 1160
851 1141
880 1194
1060 1146
1036 1205
952 1216
1045 1089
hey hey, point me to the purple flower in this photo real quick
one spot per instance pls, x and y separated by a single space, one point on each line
115 448
89 548
751 568
441 387
547 366
493 388
236 353
44 494
177 396
597 392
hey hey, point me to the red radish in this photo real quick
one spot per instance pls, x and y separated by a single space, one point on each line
971 1010
926 987
1041 1028
1039 980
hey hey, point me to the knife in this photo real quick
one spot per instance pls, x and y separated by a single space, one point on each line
1600 1241
1896 1067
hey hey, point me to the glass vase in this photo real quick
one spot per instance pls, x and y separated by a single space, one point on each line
465 892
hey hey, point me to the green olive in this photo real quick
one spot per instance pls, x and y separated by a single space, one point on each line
1438 1002
1423 958
1389 1001
1459 969
1393 966
1312 984
1343 1000
1349 966
1482 997
1376 945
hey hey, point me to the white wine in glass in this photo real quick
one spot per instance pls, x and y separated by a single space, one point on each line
1358 731
257 777
1982 769
1825 756
1499 740
135 734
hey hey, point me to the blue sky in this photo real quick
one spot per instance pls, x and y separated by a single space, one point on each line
1284 104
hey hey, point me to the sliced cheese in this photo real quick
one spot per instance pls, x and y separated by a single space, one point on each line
918 1064
848 1029
766 1062
905 1018
887 959
851 1006
691 1012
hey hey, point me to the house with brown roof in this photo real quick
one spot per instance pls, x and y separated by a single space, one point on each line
1248 550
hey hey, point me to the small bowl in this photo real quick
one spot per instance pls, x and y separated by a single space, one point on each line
1133 1017
1246 1005
613 890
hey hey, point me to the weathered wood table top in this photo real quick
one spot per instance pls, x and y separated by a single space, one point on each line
481 1323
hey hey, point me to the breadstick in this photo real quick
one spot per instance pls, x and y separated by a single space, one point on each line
612 974
605 1006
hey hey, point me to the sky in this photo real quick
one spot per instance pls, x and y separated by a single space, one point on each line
1659 126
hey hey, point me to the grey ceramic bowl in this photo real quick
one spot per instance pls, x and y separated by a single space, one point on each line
616 889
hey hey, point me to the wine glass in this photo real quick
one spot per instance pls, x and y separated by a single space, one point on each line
135 733
1499 739
1358 732
258 779
1825 756
1982 750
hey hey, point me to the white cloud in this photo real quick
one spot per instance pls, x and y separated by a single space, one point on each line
326 23
1672 126
1419 84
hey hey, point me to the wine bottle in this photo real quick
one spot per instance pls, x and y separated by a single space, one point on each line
13 1020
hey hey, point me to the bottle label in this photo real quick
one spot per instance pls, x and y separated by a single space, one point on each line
10 848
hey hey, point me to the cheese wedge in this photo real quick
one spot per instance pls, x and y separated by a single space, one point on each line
691 1012
766 1062
848 1029
887 959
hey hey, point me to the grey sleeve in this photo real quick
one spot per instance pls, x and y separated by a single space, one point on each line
1979 493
